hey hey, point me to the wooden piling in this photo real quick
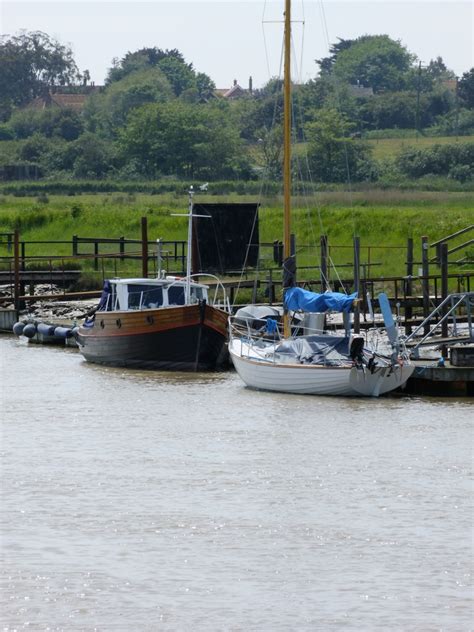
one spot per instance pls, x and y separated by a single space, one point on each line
409 285
324 263
357 283
16 269
144 247
425 270
444 286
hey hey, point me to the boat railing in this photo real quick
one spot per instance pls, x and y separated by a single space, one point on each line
218 287
259 347
251 340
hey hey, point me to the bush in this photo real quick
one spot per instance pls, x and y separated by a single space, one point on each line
51 122
459 123
453 160
6 133
42 198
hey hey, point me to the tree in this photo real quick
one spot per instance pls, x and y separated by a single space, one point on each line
140 60
181 139
93 157
466 88
205 86
454 161
326 63
333 156
63 123
179 73
373 61
106 112
30 64
270 144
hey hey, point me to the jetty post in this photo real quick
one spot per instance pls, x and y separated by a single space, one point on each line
409 286
323 269
357 283
16 269
144 247
444 288
425 271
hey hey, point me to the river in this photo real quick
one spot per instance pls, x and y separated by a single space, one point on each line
140 501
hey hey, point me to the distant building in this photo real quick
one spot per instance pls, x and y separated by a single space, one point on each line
235 92
360 92
450 84
63 100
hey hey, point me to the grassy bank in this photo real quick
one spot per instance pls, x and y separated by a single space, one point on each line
383 148
383 220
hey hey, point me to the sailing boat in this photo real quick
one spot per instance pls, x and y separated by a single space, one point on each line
168 323
317 363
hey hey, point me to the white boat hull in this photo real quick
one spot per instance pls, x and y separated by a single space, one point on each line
263 374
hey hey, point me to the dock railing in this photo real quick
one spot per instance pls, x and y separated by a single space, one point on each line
446 309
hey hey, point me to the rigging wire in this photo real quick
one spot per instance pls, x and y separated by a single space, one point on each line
307 166
297 115
339 107
265 174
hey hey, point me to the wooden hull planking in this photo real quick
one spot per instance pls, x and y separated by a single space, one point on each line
184 338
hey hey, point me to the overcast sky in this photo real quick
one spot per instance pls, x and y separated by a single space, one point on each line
228 39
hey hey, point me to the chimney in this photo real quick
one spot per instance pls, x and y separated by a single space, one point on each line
250 84
235 82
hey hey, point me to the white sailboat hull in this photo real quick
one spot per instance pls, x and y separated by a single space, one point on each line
310 379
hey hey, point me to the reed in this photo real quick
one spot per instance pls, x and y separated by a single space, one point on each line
382 219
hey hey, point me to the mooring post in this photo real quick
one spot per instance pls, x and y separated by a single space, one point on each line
275 251
23 269
324 263
144 248
96 255
270 287
409 286
16 269
444 290
425 271
357 283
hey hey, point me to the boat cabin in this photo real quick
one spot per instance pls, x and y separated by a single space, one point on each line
132 294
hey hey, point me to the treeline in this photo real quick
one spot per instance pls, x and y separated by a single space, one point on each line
157 117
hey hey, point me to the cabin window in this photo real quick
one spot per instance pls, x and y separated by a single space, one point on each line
144 297
196 294
176 295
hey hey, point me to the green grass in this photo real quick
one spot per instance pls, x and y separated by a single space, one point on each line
384 148
382 219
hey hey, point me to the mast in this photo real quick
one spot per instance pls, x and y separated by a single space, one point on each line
287 147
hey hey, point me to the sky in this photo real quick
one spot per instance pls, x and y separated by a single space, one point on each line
230 39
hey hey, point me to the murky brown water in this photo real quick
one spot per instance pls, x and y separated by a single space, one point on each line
146 501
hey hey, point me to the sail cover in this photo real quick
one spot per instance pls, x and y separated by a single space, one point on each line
298 299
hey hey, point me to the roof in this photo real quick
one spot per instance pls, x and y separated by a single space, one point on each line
62 100
361 91
234 92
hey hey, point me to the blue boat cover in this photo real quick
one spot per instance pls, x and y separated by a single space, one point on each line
298 299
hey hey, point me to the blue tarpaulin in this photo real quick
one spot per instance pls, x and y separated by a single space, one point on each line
298 299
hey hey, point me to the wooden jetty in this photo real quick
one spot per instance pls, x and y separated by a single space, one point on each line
412 296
